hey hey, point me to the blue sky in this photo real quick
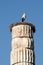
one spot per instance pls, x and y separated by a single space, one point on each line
10 12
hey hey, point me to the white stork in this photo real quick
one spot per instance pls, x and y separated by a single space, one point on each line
23 17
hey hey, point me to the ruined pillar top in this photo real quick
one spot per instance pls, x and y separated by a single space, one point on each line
22 23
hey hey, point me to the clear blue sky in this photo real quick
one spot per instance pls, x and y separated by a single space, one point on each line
10 12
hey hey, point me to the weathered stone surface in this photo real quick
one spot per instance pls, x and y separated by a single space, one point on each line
22 55
22 42
22 30
22 52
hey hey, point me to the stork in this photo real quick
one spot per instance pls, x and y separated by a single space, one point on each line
23 17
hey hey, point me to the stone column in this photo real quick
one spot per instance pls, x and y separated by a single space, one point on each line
22 52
